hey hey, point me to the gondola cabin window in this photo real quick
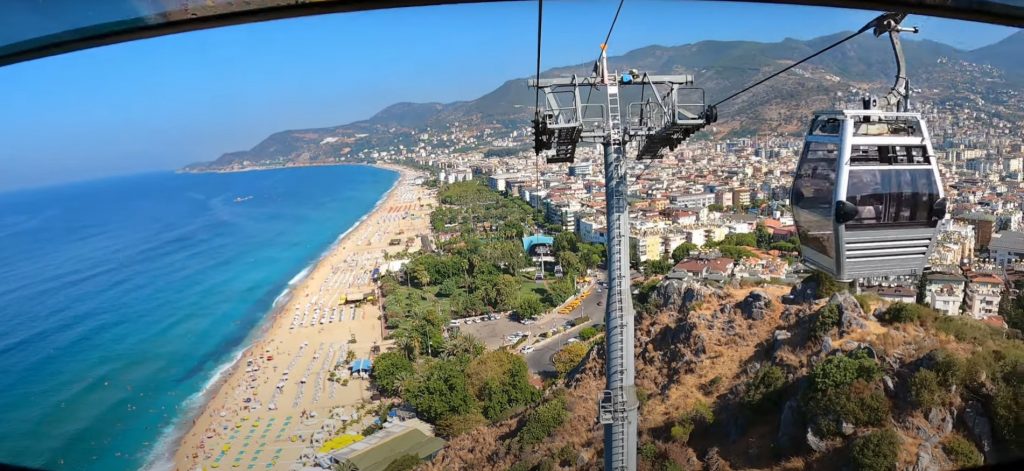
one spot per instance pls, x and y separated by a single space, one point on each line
893 197
812 196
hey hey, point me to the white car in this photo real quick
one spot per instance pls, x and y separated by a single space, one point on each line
572 340
527 349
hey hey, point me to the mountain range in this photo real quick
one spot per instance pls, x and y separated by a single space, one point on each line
941 73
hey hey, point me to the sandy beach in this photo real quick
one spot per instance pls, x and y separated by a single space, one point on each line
279 402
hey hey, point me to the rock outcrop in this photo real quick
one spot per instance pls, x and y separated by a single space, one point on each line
756 305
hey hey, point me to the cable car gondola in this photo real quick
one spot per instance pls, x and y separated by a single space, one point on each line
867 196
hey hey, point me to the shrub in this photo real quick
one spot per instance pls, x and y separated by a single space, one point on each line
568 357
711 386
904 312
763 389
455 425
844 388
866 300
827 286
828 319
442 391
876 451
566 456
681 432
648 451
950 368
699 414
406 462
925 389
962 452
587 333
543 421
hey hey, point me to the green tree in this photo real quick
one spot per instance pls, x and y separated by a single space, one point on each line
735 252
845 388
543 421
592 255
659 266
683 251
588 333
441 391
571 264
390 369
528 305
506 291
500 380
763 237
566 242
922 290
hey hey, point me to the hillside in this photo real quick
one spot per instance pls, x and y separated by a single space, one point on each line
735 379
865 64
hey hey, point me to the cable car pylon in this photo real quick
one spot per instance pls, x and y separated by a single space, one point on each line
562 122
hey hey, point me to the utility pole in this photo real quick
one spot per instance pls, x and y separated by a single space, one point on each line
675 111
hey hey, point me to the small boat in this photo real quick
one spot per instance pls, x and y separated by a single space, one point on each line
241 199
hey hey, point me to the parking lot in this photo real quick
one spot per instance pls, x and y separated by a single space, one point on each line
498 332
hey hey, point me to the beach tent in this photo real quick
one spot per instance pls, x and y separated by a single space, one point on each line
361 365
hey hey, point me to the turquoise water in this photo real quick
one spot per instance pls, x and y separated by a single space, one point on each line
121 298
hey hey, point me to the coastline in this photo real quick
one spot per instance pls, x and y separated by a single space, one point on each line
172 448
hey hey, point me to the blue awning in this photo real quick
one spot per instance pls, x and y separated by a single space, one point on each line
361 364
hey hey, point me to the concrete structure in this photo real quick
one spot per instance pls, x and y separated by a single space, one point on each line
944 292
983 294
723 197
1007 247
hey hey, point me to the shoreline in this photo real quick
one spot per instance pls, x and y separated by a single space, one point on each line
283 167
168 448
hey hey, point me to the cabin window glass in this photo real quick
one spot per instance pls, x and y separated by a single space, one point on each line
892 196
905 127
889 155
812 196
825 126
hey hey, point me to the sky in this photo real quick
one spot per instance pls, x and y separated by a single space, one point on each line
161 103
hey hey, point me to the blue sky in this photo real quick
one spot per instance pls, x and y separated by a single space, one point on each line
164 102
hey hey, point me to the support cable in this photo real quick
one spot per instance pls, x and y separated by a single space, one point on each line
872 24
607 38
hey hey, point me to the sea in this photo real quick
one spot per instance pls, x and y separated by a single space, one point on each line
123 300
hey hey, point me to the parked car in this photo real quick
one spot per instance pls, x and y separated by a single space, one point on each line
527 349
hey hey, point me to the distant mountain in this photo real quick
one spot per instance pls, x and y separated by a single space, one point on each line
1007 54
719 67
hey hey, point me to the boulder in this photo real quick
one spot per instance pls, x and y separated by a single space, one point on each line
852 317
980 429
890 387
815 443
789 425
780 338
712 460
826 345
847 428
924 459
803 292
941 419
756 305
677 295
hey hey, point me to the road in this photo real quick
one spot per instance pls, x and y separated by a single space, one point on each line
492 333
539 360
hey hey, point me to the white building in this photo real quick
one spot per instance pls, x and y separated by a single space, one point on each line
983 294
944 292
